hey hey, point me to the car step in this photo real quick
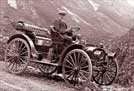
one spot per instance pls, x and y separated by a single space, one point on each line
45 62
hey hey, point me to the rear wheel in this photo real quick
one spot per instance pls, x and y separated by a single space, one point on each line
17 56
47 69
77 69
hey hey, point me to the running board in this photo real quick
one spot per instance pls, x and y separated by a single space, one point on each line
45 62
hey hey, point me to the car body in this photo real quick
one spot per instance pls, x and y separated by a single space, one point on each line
48 49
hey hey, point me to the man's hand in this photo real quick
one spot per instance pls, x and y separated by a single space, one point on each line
66 31
67 37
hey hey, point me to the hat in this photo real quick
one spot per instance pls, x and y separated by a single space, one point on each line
62 13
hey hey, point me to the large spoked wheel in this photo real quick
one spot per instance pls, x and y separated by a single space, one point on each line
47 70
77 69
17 56
106 72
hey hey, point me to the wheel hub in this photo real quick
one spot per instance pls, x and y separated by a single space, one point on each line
104 70
16 54
76 70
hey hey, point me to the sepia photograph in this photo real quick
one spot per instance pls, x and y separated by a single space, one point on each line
66 45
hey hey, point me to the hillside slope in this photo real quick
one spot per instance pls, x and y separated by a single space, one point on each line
87 14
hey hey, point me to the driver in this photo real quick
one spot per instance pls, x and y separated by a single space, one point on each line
59 23
61 27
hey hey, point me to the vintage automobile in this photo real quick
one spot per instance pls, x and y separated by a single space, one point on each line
79 63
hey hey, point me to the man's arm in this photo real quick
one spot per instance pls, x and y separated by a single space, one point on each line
67 37
56 25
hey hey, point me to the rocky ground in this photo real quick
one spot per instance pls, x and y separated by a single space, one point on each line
33 80
29 81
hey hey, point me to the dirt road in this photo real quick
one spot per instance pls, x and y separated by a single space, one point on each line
32 80
29 81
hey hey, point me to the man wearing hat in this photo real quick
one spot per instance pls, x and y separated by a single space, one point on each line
61 27
59 24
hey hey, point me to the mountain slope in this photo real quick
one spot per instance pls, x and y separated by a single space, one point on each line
94 24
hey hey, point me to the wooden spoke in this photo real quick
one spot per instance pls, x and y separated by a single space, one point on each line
75 58
107 76
84 71
70 67
22 61
71 64
24 52
84 67
69 75
95 75
80 79
10 63
83 63
72 77
102 79
16 66
17 45
83 76
13 64
10 58
22 49
72 60
79 58
99 77
20 46
111 75
111 70
68 71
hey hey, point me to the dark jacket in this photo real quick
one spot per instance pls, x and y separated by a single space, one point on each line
60 25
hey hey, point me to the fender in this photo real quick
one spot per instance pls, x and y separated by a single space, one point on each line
29 41
90 50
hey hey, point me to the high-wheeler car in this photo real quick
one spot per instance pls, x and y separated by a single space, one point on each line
78 62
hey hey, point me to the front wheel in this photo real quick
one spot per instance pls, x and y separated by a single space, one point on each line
77 69
106 72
